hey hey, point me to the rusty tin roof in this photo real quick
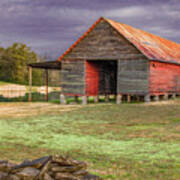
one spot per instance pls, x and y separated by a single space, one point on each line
152 46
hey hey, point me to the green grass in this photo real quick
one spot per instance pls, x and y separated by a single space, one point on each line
4 83
129 141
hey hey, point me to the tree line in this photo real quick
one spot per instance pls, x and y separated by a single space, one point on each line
13 65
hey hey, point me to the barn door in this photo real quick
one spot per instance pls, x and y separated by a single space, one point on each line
92 78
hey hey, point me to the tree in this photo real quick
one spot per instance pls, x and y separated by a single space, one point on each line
14 61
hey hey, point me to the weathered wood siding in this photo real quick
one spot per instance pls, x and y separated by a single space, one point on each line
73 77
133 76
164 78
104 43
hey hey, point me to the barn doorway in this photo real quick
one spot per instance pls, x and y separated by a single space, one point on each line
101 77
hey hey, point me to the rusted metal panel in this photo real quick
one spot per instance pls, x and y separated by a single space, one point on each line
164 78
152 46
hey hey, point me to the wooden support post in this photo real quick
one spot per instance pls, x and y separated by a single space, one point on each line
46 71
84 100
96 99
62 99
138 98
147 98
30 84
173 96
106 98
118 98
76 99
128 98
165 97
156 98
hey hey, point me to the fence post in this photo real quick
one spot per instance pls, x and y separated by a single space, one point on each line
30 84
46 84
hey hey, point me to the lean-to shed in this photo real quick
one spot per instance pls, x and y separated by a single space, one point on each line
115 58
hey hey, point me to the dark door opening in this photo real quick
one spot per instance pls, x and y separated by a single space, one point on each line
101 77
108 77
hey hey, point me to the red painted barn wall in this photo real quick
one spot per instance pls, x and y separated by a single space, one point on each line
164 78
92 78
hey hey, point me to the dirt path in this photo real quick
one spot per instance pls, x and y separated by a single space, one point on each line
29 109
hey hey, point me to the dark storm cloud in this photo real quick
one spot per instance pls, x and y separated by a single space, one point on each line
50 26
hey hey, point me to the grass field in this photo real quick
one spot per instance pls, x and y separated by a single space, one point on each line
128 141
2 83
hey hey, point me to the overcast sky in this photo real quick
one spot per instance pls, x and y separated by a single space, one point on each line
49 27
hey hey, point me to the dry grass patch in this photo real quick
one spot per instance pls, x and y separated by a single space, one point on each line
14 110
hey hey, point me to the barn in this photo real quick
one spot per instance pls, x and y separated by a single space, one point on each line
112 58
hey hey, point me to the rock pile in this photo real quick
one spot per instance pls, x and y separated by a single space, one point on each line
46 168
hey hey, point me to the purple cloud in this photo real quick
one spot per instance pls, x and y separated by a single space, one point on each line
50 26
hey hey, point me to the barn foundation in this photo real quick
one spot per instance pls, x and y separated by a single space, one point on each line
84 100
62 99
96 99
147 98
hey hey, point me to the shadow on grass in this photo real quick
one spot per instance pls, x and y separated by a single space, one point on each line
36 97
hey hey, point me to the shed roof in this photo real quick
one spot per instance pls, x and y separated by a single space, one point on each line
46 65
152 46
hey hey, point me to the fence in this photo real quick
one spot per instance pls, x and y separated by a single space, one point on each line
20 93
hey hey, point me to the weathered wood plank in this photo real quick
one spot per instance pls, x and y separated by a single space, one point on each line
73 77
133 76
104 42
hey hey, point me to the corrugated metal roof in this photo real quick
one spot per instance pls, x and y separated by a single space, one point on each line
152 46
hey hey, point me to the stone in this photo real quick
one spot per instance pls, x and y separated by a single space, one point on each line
62 99
13 177
3 176
65 176
3 167
147 98
29 173
44 170
47 177
119 99
64 161
37 163
3 161
68 168
90 177
6 167
80 173
84 100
